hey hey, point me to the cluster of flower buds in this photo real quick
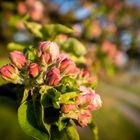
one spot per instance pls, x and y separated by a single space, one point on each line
85 103
50 67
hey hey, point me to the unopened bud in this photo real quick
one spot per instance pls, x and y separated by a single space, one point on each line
10 73
68 107
18 59
34 69
53 76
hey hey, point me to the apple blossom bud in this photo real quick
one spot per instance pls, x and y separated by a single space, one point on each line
63 56
45 58
53 76
18 59
84 99
68 67
85 74
48 52
84 118
97 102
54 51
43 46
10 73
86 90
93 78
34 69
68 107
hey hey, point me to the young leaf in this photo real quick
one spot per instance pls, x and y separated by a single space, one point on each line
54 29
44 89
62 122
67 98
72 132
50 98
46 100
46 125
28 122
94 129
68 80
74 46
16 46
25 95
34 28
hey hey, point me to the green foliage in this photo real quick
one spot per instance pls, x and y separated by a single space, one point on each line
47 31
16 46
74 46
25 95
34 28
50 98
71 132
53 30
67 98
27 116
94 130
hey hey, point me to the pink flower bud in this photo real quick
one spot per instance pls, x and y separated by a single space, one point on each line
87 78
86 90
43 47
68 107
34 69
53 76
46 58
63 56
18 59
68 67
10 73
96 103
85 74
93 78
86 99
48 52
84 118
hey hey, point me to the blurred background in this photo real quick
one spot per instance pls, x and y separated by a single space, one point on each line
110 32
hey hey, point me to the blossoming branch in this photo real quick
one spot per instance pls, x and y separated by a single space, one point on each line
56 94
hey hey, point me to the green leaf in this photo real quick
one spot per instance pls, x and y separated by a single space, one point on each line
44 89
55 29
28 121
74 46
31 55
16 46
93 85
34 28
67 85
58 135
62 122
50 98
46 125
94 129
68 80
77 59
72 132
25 95
67 98
46 100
